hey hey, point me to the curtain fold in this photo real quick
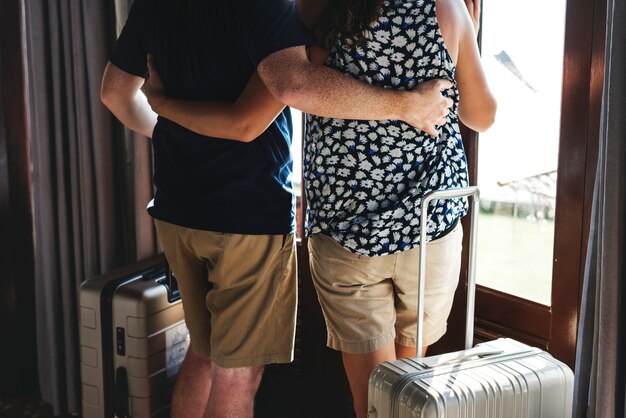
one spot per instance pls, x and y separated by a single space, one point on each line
88 187
600 387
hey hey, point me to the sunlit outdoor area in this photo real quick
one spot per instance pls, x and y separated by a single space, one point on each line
522 54
296 150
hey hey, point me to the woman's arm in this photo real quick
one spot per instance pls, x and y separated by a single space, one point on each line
244 120
477 108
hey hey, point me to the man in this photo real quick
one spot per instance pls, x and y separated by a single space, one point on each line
224 209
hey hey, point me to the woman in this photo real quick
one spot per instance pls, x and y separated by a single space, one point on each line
364 179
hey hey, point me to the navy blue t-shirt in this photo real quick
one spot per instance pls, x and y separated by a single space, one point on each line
209 49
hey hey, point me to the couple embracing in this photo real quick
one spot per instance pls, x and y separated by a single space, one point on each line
384 84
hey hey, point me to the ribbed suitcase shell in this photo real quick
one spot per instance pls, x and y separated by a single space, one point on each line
498 379
132 307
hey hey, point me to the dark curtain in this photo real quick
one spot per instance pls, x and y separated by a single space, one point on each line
600 389
90 186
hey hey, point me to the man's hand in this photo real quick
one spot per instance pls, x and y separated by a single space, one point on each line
426 108
473 7
153 87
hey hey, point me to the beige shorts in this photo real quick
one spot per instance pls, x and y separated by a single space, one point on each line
370 302
238 293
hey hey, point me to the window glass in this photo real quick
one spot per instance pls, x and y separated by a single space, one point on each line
522 50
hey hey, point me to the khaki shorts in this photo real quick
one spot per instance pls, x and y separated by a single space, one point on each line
370 302
238 293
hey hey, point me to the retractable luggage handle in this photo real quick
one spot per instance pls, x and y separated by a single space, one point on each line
165 276
473 193
173 294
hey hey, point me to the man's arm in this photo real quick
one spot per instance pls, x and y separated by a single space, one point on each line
120 92
316 89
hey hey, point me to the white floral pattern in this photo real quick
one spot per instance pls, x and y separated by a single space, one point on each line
364 180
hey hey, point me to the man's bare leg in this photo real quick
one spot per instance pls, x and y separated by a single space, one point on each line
358 368
232 392
193 386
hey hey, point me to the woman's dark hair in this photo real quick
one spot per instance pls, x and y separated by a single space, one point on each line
348 19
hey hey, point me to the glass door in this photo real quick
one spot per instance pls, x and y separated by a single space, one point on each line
522 50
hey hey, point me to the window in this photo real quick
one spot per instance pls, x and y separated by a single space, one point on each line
296 153
518 156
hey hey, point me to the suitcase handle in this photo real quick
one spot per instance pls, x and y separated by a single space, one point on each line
460 358
165 276
474 194
173 294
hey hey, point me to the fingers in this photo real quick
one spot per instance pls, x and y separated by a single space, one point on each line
477 15
434 86
444 107
152 72
430 108
431 130
470 4
150 64
154 79
431 127
473 7
477 9
444 110
443 84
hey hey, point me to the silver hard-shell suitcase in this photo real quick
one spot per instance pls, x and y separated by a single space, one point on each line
133 339
498 379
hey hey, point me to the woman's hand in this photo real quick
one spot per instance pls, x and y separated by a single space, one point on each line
153 87
473 7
